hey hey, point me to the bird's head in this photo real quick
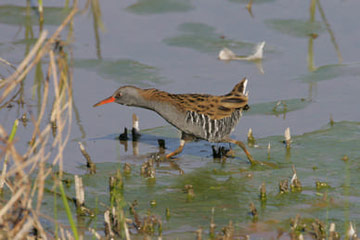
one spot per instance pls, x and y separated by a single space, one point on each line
127 95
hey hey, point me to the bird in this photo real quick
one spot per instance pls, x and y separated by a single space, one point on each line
197 116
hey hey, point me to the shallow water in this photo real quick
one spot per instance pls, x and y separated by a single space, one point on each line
173 46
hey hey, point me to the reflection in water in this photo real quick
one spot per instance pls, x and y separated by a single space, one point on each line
157 157
255 2
331 71
160 6
135 147
295 27
203 38
277 108
95 9
249 8
41 15
312 37
331 33
122 70
125 144
18 15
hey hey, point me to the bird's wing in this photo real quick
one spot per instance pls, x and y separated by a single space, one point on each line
216 107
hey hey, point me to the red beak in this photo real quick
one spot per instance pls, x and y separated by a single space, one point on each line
107 100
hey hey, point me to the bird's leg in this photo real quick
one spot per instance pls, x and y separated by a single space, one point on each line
242 145
185 138
178 150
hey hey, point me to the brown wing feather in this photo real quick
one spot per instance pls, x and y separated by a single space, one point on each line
216 107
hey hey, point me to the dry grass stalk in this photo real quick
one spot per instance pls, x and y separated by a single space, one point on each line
25 229
116 224
28 171
108 228
95 233
5 62
11 202
9 141
37 52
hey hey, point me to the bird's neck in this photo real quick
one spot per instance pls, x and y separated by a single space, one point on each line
156 100
150 99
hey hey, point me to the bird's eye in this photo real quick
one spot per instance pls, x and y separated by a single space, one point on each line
118 95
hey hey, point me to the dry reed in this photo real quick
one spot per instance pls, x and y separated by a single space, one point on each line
24 180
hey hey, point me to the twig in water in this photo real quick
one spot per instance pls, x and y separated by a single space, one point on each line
263 192
287 138
212 224
199 233
283 186
127 169
331 120
135 129
250 138
253 211
89 163
124 136
80 197
79 190
295 184
333 235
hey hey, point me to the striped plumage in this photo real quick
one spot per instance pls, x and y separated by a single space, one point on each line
213 130
203 116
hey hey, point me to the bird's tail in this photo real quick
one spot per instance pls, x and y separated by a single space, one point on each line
240 88
238 97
